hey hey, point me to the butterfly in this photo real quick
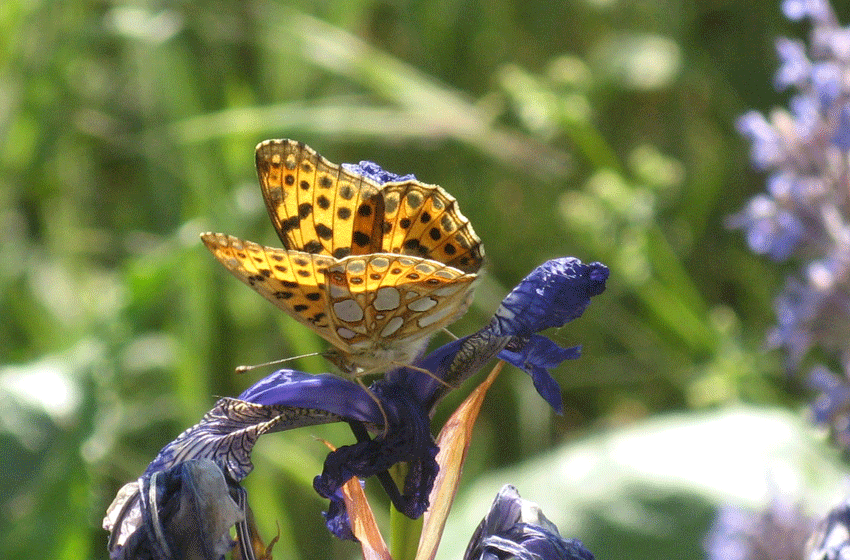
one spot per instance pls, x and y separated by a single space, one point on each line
373 268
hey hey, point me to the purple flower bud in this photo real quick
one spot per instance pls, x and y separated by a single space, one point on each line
516 528
796 66
817 10
767 149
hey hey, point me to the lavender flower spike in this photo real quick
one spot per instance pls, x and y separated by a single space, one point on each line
780 531
805 214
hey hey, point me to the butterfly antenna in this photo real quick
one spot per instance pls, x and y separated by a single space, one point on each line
450 333
246 369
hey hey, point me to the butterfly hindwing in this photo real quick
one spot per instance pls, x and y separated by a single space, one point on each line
423 220
386 299
317 206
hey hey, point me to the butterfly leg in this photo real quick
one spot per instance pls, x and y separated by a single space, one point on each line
426 372
374 397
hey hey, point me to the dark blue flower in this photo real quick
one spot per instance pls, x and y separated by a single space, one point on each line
552 295
555 293
407 439
831 539
536 357
516 528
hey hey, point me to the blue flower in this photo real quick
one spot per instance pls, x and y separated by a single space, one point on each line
831 539
516 528
397 407
555 293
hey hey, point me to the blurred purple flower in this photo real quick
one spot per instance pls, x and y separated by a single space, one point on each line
832 406
818 10
777 533
805 215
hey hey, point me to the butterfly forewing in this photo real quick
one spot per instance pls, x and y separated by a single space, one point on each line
315 205
423 220
292 280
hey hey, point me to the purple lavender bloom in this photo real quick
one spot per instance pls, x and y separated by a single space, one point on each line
771 230
818 10
778 533
375 172
801 149
832 406
516 528
795 68
805 215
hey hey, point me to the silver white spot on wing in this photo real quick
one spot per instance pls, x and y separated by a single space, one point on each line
392 326
348 310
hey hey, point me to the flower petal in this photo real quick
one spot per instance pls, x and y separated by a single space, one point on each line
516 527
184 512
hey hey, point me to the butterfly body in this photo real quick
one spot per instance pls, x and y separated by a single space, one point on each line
374 269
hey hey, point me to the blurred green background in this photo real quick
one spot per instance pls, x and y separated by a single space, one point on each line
601 129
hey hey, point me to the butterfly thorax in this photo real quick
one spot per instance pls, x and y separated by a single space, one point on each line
378 356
